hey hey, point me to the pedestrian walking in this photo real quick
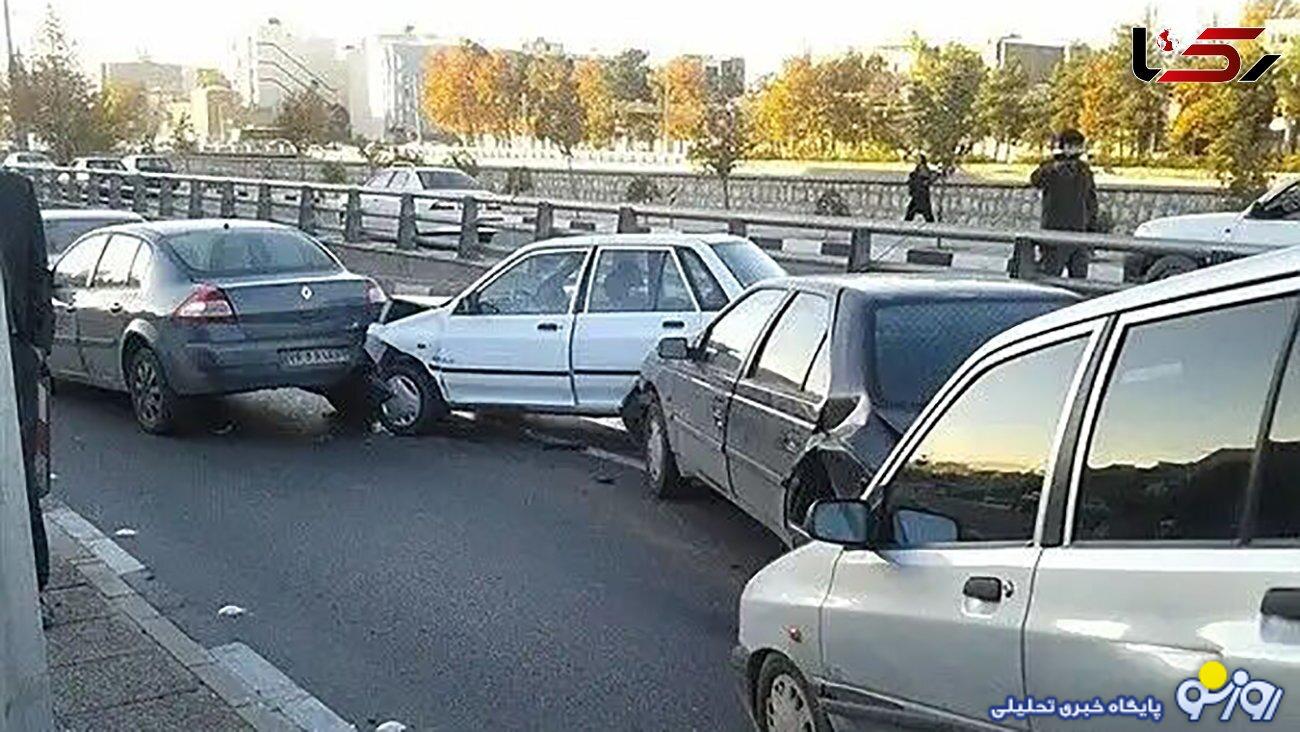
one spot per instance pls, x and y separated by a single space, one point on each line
24 264
919 182
1069 203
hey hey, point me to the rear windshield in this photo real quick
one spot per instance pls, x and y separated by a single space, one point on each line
154 165
249 252
449 180
33 158
919 345
747 262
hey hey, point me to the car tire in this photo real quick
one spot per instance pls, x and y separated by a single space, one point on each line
783 701
415 403
155 404
662 479
1171 265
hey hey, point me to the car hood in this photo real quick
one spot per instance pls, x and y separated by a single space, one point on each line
418 335
1197 227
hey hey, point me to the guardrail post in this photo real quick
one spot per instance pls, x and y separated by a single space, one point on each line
352 217
114 191
307 210
139 195
71 191
544 227
1023 264
406 223
228 200
92 189
860 250
166 187
196 199
738 227
468 227
264 207
627 220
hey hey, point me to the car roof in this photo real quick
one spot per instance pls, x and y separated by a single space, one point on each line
157 230
665 238
878 287
83 214
1240 273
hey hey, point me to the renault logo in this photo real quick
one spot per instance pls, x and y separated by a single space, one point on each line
306 292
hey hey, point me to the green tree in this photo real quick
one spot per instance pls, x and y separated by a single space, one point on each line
130 116
722 142
1068 85
61 106
555 112
1003 107
943 119
183 139
304 119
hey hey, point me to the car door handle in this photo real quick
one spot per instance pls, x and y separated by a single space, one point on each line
674 324
790 443
551 327
719 410
1283 602
988 589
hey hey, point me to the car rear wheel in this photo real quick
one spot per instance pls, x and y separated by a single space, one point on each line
1169 266
784 702
661 476
152 398
415 402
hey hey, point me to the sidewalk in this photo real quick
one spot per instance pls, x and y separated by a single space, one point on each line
116 664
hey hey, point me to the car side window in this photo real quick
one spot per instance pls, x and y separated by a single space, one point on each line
978 473
140 267
74 268
787 357
1278 513
708 292
628 280
1285 205
401 180
542 284
734 333
1174 436
380 179
818 383
115 266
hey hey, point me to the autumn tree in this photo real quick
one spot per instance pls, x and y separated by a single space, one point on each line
945 85
596 94
722 141
501 88
130 116
555 111
786 109
683 94
455 94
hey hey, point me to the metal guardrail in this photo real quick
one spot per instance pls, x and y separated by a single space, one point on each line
488 223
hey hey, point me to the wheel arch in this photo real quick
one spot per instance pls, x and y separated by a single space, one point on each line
139 334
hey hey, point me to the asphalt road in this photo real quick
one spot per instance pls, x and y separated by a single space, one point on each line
477 578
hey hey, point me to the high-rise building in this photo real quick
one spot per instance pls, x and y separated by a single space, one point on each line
166 80
726 75
392 66
272 62
1038 60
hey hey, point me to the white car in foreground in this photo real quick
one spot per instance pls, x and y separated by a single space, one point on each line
1095 524
1273 220
560 326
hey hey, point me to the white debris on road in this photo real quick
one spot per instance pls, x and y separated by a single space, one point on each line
231 611
391 726
125 533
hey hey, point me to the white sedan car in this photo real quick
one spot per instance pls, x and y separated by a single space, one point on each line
560 326
439 217
1273 220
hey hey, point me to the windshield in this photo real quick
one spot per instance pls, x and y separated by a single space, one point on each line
154 165
250 252
448 180
747 262
917 346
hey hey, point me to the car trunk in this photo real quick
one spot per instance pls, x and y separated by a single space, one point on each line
290 308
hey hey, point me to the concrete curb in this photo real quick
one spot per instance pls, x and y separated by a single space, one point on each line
231 672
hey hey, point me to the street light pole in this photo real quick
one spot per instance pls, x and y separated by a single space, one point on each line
9 65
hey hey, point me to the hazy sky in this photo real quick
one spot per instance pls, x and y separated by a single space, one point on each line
200 32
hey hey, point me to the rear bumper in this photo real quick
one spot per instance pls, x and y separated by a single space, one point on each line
227 368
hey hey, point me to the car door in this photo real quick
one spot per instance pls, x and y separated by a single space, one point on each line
70 292
376 207
507 341
931 620
111 300
1182 540
1274 222
774 410
699 390
637 296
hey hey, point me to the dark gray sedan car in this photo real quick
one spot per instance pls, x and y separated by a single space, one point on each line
178 309
801 387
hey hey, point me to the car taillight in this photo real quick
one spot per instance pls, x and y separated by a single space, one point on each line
207 304
375 294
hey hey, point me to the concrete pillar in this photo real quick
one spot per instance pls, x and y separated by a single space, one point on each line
307 209
24 677
228 200
860 250
264 207
468 227
627 220
166 188
196 199
544 228
139 194
406 223
352 217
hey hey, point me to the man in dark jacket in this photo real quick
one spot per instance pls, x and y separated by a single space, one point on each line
1069 203
25 265
918 189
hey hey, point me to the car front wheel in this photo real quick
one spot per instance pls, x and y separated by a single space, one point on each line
152 398
414 403
661 475
784 701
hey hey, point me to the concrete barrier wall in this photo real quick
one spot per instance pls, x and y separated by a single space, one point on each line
998 206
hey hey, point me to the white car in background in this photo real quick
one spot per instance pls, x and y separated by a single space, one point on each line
560 326
433 217
28 158
1273 220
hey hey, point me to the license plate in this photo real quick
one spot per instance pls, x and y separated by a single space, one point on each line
315 357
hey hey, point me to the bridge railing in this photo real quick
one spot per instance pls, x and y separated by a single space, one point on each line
481 224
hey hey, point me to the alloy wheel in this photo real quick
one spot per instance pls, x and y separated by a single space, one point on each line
147 390
787 708
654 449
402 409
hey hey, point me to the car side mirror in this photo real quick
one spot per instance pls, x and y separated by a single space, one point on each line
847 522
674 349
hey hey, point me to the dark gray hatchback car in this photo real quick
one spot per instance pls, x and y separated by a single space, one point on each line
802 386
170 310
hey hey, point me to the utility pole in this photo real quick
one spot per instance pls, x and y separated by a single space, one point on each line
20 141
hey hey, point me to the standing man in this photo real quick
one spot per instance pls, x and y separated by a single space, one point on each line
1069 203
918 189
24 263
